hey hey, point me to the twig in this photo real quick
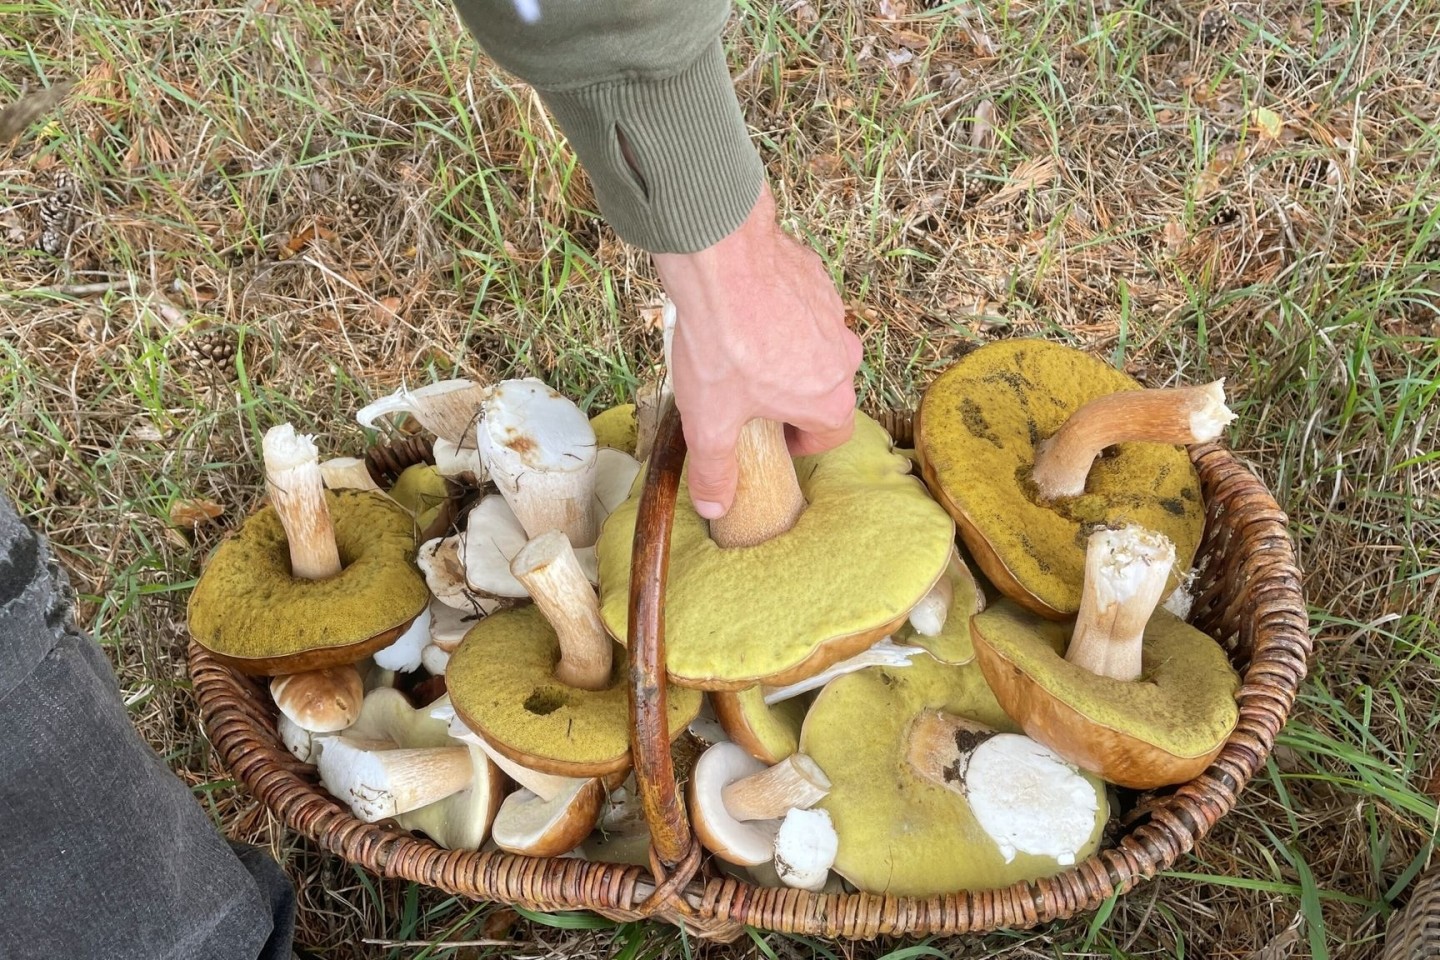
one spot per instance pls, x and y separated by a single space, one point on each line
78 289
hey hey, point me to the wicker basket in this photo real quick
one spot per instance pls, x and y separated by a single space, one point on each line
1414 932
1248 597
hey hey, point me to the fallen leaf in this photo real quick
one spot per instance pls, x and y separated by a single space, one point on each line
1268 122
894 9
911 39
653 316
1032 173
500 923
1433 787
1282 945
189 514
982 131
1174 235
898 58
827 165
313 232
387 308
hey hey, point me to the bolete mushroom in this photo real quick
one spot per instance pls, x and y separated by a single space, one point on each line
541 684
616 428
805 849
535 827
944 633
455 818
900 832
320 701
493 533
793 583
1010 439
1140 697
314 579
737 802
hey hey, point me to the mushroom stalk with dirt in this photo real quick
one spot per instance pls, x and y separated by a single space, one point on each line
1140 697
539 449
296 486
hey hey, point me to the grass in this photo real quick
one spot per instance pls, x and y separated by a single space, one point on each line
352 198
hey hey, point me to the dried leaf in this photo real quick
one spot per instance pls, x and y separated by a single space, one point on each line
911 39
1174 235
1433 787
1268 122
387 308
189 514
1034 172
894 9
500 923
982 131
898 58
653 317
15 118
1283 945
297 242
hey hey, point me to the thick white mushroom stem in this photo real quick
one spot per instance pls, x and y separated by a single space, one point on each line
347 473
447 409
797 782
297 490
549 569
1173 415
539 449
386 783
885 653
1125 575
768 499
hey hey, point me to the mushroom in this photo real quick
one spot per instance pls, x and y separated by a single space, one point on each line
457 818
494 535
736 801
320 701
766 720
901 834
1008 438
377 780
805 849
616 428
622 834
315 579
347 473
541 684
535 827
1026 797
447 409
427 496
529 431
946 636
403 655
1140 697
867 546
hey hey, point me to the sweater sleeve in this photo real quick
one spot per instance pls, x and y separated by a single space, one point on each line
650 73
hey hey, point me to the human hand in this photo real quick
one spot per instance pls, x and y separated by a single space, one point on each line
759 333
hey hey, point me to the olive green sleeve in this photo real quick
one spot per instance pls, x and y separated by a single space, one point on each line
650 72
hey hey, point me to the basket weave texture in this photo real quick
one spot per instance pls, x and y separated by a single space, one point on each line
1414 932
1247 596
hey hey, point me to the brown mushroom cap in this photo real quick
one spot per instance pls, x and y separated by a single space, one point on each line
977 431
769 733
253 615
1162 729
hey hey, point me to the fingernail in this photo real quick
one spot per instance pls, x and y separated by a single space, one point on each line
709 509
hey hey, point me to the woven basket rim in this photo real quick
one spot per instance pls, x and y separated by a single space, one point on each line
1270 645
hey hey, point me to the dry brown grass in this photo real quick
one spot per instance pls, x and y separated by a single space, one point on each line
348 195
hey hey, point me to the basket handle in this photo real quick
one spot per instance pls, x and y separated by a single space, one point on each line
660 799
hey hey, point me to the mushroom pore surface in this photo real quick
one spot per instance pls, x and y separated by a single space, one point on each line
977 430
868 546
501 681
1183 704
899 833
249 607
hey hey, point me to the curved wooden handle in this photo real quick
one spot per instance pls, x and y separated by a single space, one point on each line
664 808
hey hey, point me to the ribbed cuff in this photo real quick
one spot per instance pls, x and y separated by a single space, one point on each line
699 173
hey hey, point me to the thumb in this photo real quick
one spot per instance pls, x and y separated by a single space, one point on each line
712 472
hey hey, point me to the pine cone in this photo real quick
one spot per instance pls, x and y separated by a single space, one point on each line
57 215
213 350
1214 26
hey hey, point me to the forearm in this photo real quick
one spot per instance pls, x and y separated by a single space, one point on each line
650 72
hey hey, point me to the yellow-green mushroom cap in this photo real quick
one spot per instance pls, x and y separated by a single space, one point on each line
951 644
769 733
617 428
502 685
254 615
977 430
901 834
1164 728
869 545
428 496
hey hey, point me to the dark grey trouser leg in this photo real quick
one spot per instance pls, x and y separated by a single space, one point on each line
104 852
